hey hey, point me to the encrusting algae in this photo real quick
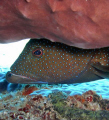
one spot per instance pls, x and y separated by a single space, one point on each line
22 105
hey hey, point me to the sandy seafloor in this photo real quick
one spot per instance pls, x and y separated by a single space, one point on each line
44 107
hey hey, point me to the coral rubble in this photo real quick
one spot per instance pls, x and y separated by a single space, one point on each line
56 106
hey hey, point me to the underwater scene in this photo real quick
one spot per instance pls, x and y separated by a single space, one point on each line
41 80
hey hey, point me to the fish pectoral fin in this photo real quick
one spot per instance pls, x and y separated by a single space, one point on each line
102 74
100 67
102 71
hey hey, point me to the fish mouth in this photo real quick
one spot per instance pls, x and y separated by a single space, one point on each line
14 78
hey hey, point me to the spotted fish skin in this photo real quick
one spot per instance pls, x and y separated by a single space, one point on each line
43 61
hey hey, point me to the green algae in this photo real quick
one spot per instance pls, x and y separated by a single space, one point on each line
72 113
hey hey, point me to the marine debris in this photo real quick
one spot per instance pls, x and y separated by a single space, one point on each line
56 106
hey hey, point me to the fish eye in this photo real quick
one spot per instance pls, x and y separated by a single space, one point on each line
37 52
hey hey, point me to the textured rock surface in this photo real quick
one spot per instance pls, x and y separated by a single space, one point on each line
80 23
16 106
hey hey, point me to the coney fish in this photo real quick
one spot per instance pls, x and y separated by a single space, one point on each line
43 61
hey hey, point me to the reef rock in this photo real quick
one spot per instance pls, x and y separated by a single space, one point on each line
80 23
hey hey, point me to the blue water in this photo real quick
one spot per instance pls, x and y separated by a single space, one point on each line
9 53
